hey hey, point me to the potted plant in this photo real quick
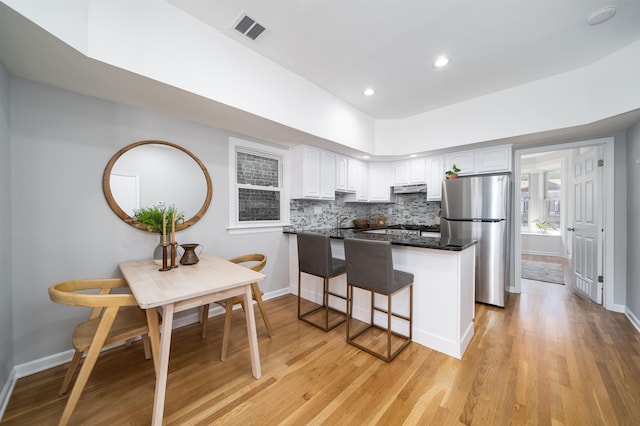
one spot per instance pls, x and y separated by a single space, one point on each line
150 219
452 173
543 225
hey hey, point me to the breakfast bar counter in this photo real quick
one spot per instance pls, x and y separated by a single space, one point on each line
444 289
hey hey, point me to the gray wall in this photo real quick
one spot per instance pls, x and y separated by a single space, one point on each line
633 226
63 228
6 307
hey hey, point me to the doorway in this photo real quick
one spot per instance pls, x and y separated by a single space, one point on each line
547 188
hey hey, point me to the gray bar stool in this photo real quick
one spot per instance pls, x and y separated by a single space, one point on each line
370 267
315 258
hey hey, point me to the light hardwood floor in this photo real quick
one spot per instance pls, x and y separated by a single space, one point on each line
549 357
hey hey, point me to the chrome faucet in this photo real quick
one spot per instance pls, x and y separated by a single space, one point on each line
340 220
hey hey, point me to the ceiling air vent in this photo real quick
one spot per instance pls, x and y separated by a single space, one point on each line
248 26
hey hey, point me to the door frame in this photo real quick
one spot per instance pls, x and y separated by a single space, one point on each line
608 189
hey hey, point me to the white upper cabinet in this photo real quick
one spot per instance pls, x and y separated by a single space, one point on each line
496 159
379 183
317 174
410 172
353 176
313 173
480 161
327 175
464 160
374 182
361 178
435 171
346 173
342 170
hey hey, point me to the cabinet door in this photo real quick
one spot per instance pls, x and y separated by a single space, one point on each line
353 174
341 173
362 181
327 175
311 173
496 159
379 182
463 159
401 172
436 174
417 171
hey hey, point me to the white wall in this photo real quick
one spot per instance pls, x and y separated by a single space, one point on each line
173 44
63 227
181 51
6 307
604 89
547 245
633 222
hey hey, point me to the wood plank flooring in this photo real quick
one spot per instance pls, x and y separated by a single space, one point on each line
549 357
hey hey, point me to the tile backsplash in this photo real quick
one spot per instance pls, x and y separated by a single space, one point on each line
407 209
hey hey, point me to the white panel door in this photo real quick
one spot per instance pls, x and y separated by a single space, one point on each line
585 225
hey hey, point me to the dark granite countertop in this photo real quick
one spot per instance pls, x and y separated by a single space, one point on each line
450 244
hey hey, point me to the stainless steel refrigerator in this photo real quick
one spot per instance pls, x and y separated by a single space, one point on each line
477 207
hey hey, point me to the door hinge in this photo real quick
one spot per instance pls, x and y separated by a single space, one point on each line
600 279
600 163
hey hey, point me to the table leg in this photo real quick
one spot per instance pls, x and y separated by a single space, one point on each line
163 365
251 332
154 336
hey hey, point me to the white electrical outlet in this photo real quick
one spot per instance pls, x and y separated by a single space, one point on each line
317 210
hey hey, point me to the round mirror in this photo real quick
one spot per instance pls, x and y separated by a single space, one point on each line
149 173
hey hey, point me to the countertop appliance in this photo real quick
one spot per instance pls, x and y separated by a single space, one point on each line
477 207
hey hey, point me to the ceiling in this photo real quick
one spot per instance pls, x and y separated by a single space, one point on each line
390 45
345 46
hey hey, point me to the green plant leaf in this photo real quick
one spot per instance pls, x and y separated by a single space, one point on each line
151 217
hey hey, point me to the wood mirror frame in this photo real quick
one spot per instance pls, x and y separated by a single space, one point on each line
106 185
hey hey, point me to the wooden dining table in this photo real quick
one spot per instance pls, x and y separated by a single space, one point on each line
186 287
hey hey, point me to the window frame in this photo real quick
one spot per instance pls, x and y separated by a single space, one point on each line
538 196
253 148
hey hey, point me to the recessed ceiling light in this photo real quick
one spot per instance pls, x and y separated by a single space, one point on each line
413 155
601 15
369 91
441 61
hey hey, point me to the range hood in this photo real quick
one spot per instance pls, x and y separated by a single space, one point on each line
409 189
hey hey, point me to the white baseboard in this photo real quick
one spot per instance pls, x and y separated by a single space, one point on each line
616 308
41 364
635 321
545 253
7 389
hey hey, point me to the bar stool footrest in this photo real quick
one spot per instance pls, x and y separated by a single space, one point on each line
405 342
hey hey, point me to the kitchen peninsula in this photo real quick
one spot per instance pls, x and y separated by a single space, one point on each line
444 290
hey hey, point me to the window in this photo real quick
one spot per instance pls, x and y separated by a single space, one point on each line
552 186
258 196
540 200
524 201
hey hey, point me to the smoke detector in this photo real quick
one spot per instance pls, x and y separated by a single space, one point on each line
601 15
248 26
